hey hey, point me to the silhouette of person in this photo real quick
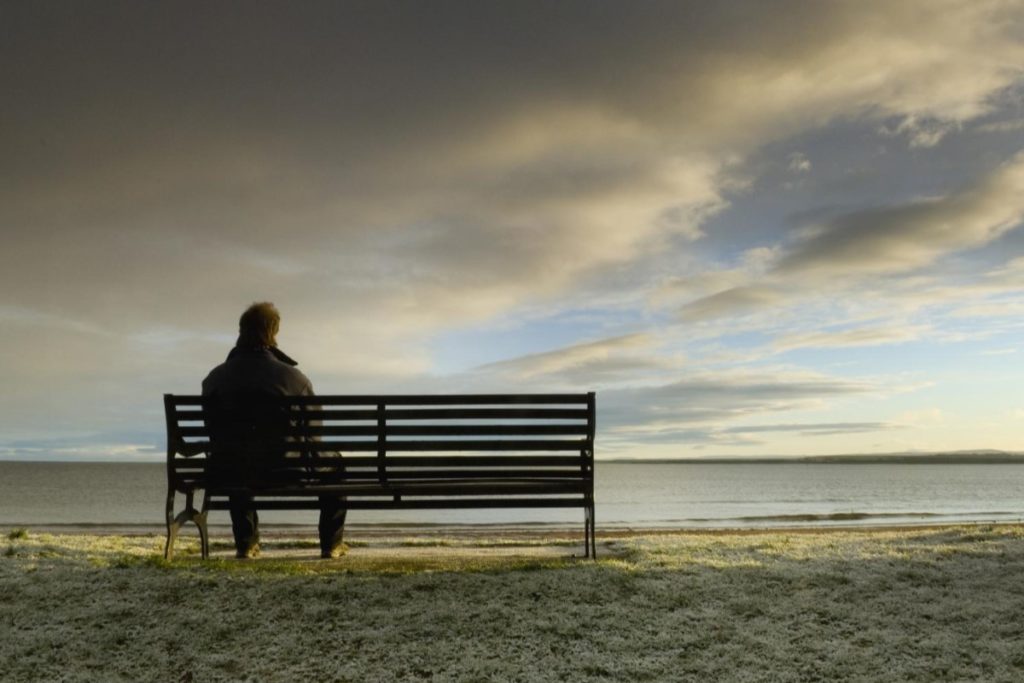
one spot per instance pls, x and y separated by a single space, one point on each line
256 369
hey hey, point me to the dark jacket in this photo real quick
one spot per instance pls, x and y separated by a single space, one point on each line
244 425
257 371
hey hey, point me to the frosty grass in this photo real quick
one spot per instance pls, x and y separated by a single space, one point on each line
910 605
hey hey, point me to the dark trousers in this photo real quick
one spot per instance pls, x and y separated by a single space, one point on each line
245 522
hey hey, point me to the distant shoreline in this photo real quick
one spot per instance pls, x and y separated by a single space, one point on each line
542 531
954 458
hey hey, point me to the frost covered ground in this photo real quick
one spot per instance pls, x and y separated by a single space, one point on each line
926 605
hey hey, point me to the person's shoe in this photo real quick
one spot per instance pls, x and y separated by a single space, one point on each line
334 553
250 553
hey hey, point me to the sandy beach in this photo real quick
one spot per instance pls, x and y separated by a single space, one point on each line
854 604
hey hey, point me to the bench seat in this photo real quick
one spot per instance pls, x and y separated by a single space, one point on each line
454 487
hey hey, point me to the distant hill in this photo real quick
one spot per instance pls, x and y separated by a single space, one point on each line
952 457
971 457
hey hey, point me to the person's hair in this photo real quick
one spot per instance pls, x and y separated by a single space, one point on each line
258 325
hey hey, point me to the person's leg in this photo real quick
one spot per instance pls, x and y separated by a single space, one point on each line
332 524
245 526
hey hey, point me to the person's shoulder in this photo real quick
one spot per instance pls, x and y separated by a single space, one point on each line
297 380
212 378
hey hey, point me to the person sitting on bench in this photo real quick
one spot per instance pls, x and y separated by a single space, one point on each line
256 369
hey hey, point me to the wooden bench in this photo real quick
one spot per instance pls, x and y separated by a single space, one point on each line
396 453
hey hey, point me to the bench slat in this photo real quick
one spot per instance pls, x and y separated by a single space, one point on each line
400 461
411 399
439 399
367 473
424 446
483 461
416 430
484 487
422 475
485 414
423 414
414 504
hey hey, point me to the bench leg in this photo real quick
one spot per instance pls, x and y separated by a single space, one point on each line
172 535
175 522
587 538
586 531
591 533
172 526
204 536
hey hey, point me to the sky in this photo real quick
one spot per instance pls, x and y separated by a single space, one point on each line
752 227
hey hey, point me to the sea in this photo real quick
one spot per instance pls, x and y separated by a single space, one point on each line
628 495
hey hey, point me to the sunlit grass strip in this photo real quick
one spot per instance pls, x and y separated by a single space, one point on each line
120 552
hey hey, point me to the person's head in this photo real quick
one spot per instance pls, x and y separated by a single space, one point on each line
258 325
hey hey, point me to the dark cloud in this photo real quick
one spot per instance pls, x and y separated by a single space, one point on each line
450 145
915 234
853 249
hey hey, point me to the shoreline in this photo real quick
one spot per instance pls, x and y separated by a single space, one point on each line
527 530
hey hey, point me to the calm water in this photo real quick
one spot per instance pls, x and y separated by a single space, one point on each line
690 495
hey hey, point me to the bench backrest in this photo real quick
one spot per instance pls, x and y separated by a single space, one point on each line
404 437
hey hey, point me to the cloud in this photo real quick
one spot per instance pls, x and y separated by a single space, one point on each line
928 417
386 176
912 235
26 317
743 436
908 255
589 363
798 163
708 398
926 132
1010 126
734 301
384 158
853 249
864 336
815 429
637 406
1000 352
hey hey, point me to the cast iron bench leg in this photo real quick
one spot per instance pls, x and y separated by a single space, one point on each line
586 532
591 533
189 514
172 526
200 520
